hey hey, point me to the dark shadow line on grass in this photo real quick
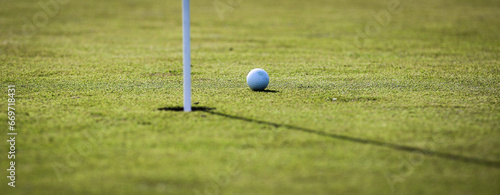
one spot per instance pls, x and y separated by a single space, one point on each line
426 152
268 91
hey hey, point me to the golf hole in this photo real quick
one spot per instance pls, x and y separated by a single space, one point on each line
181 109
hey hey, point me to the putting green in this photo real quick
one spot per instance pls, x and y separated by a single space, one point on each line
364 97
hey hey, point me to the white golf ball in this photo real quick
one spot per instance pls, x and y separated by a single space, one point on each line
257 79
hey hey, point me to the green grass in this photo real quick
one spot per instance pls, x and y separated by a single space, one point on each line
89 85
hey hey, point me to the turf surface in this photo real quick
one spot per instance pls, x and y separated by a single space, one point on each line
357 104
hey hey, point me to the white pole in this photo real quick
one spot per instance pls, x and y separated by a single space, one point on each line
186 39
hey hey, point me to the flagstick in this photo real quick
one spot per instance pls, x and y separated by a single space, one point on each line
186 36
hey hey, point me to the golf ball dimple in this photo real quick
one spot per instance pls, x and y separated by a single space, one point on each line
257 79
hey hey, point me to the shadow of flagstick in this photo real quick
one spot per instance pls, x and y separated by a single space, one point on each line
465 159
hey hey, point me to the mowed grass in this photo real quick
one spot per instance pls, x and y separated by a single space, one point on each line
90 83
